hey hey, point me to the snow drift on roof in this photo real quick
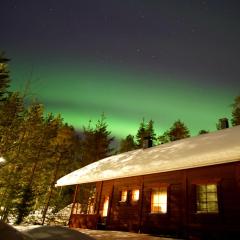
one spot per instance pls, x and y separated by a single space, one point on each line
207 149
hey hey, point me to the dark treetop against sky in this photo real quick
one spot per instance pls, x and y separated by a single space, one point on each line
158 59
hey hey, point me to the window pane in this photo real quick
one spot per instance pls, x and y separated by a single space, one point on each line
201 188
159 200
124 196
202 196
155 209
202 207
163 197
211 188
207 200
212 196
135 195
156 198
212 207
163 207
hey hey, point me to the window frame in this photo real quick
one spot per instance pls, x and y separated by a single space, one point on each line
166 186
126 196
206 201
195 183
132 195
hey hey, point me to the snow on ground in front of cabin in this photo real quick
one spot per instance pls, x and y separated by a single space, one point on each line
51 232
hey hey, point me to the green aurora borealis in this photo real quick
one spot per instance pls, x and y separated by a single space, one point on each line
81 94
161 60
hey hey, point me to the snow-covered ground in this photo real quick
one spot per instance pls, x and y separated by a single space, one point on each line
65 233
59 218
55 230
53 233
52 218
8 232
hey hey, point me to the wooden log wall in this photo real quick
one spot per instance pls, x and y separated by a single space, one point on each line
181 219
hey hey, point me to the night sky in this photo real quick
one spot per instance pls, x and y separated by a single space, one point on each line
159 59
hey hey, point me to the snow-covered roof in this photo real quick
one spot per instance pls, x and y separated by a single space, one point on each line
207 149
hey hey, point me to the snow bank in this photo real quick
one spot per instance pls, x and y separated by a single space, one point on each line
7 232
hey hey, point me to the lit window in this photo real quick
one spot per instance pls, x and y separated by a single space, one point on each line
135 195
124 196
207 200
105 206
159 200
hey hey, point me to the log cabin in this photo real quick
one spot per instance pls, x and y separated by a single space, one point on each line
186 188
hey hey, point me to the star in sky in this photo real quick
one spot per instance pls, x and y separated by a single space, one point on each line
162 60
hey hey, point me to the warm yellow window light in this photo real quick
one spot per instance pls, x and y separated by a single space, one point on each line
159 200
105 206
207 199
124 196
135 195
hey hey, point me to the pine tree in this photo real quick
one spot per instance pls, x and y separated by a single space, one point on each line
96 143
24 207
37 150
164 138
4 76
88 142
178 131
11 120
38 134
127 144
103 139
150 133
32 142
62 161
141 134
236 112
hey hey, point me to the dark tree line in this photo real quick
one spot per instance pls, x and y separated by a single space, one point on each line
176 132
38 149
146 131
